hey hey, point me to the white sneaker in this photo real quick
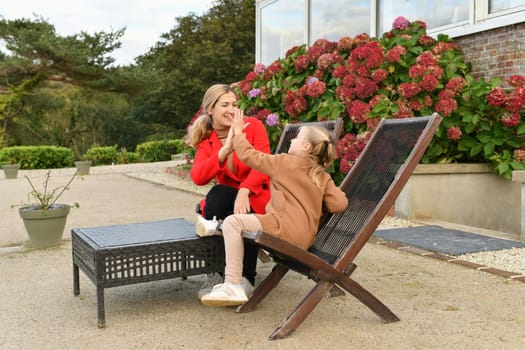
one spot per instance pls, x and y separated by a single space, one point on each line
212 279
247 286
225 294
205 228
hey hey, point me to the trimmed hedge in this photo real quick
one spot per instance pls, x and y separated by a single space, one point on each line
102 155
37 157
156 151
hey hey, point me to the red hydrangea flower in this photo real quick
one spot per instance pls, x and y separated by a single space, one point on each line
415 104
394 54
404 111
376 99
272 70
372 123
514 103
379 75
454 133
370 55
408 90
345 94
517 80
429 83
416 71
357 110
427 59
339 72
441 47
426 40
325 60
291 51
315 87
345 44
446 106
262 114
497 97
365 87
456 84
510 119
301 63
295 103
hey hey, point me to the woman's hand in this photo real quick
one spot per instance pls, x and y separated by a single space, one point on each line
238 122
227 147
242 202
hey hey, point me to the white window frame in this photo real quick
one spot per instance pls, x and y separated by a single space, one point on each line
479 21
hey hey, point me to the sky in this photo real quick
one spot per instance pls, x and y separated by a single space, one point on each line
145 21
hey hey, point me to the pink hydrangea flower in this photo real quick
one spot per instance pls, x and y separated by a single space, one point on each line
400 23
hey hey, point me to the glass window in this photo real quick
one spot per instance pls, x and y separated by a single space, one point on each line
282 26
332 20
435 13
502 5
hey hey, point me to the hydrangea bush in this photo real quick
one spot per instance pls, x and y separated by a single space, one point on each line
405 73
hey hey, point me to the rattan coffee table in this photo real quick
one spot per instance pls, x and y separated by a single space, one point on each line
117 255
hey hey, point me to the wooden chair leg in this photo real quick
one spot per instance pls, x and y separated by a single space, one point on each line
302 310
264 288
368 299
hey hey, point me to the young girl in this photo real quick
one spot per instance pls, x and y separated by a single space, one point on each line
300 190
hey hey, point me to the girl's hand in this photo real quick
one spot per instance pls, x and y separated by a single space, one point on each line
242 201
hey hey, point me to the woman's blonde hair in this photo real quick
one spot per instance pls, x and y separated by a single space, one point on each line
323 150
202 126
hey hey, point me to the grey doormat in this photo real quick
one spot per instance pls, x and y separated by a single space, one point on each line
447 241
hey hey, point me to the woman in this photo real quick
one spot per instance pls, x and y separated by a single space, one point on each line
239 189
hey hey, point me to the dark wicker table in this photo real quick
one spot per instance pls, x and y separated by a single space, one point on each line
118 255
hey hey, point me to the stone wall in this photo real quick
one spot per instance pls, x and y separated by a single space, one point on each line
495 53
464 194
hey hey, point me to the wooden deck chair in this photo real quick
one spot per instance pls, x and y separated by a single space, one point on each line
372 185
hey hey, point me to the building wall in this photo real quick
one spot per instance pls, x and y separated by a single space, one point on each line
495 53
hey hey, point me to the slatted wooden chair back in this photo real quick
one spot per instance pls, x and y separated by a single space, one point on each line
373 184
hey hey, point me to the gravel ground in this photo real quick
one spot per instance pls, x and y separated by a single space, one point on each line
441 305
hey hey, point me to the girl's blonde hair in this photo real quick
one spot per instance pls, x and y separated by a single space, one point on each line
202 126
323 150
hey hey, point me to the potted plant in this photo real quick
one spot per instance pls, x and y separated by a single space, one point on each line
83 166
44 218
10 167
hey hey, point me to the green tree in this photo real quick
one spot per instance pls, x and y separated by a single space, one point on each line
39 56
196 53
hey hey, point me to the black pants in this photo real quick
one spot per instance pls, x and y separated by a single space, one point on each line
219 203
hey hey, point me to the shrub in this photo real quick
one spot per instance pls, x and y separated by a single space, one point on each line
125 157
155 151
101 155
37 157
405 73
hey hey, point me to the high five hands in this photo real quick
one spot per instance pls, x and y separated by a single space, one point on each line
238 124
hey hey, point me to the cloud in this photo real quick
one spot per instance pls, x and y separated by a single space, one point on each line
144 21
